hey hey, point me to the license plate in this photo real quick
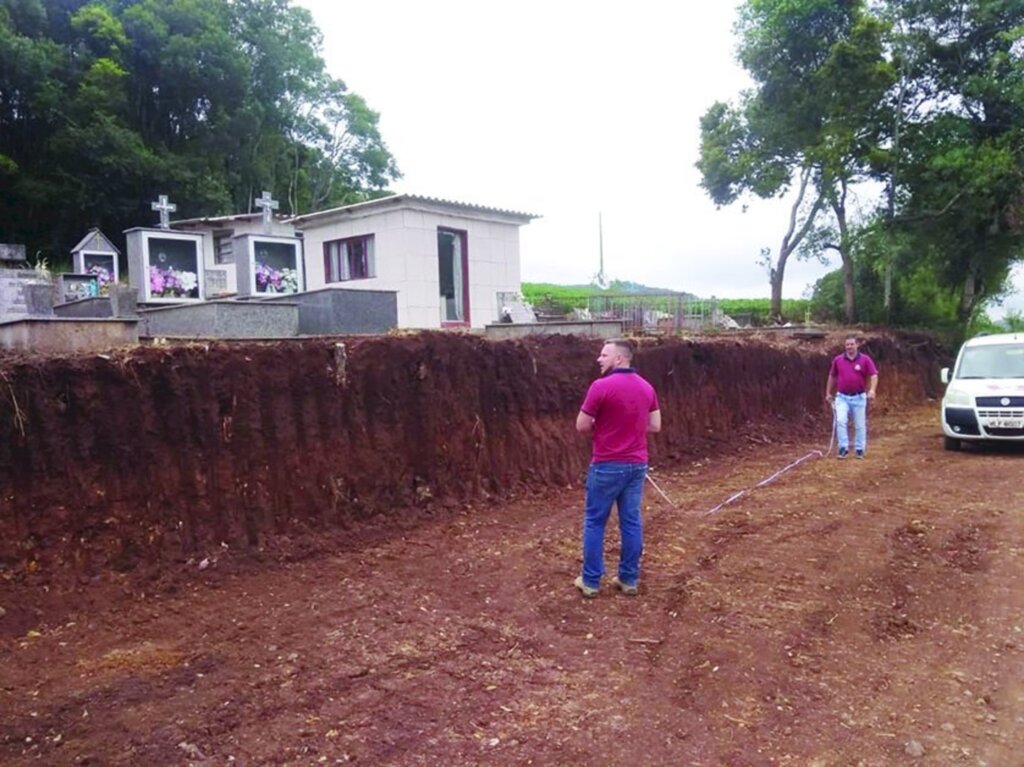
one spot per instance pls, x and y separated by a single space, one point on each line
1006 423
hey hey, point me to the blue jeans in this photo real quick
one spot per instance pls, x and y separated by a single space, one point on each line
613 483
858 405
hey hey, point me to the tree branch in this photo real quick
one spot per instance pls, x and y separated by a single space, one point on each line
933 213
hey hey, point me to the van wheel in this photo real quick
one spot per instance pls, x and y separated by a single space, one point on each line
950 443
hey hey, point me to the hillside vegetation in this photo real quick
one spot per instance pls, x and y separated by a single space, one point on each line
550 298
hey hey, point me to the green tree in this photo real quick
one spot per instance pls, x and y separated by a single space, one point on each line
105 103
918 299
959 187
808 126
926 96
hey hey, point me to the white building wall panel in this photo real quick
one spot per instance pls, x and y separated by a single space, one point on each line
405 252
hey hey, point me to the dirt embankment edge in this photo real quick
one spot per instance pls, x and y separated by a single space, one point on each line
160 454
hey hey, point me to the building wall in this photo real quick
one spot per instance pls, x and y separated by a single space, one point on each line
405 254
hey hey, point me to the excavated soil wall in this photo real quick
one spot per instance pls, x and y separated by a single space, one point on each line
166 453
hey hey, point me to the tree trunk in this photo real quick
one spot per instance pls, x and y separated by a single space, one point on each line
791 241
839 208
970 296
848 297
775 278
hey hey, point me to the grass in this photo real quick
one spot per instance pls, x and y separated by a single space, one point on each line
561 299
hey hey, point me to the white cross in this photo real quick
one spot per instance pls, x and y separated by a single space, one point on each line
165 208
269 206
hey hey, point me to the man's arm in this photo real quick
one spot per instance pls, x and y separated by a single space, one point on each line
830 386
654 421
584 423
872 385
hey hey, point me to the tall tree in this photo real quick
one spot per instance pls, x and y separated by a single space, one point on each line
105 103
960 190
808 124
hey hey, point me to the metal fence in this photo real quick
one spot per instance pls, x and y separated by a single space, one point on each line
643 312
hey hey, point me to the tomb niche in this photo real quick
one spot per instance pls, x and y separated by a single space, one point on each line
165 266
75 287
268 265
95 255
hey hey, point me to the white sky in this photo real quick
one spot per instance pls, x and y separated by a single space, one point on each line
567 108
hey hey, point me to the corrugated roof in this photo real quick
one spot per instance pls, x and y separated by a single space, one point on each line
391 199
216 219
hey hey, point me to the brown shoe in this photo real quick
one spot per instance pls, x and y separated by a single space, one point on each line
625 588
588 592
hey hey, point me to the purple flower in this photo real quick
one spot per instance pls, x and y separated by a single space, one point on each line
268 280
156 281
170 283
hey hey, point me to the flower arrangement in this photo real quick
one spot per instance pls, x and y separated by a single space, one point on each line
103 278
172 283
269 280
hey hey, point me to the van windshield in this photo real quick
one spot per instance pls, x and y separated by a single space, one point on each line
1003 361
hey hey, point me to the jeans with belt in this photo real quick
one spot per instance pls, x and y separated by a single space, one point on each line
858 405
621 484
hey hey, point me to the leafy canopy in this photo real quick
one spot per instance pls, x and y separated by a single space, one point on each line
104 104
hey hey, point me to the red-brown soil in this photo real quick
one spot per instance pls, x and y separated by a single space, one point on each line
851 613
135 460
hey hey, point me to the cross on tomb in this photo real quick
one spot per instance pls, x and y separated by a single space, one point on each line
268 205
165 209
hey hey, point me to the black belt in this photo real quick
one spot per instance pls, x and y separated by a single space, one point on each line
851 393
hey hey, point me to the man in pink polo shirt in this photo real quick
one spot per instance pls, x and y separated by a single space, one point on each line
852 380
619 410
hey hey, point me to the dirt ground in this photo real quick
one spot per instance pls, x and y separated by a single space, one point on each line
851 613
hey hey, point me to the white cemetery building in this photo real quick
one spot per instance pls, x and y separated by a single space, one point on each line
400 261
447 261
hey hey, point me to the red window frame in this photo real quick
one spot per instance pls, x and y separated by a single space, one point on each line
367 271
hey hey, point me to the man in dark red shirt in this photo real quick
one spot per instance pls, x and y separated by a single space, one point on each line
852 380
619 410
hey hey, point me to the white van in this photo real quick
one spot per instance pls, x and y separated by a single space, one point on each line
984 397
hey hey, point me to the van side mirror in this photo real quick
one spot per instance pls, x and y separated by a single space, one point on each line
944 375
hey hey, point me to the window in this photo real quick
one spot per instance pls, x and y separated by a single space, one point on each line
223 248
453 276
349 259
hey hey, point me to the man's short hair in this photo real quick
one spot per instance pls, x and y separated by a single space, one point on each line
624 346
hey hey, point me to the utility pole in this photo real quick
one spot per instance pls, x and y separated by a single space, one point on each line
600 279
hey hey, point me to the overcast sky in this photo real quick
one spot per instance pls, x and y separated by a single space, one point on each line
566 110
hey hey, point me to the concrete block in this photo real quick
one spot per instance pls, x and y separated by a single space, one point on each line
222 319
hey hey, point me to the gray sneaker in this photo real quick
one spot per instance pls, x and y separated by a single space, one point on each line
588 592
842 453
860 453
626 588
